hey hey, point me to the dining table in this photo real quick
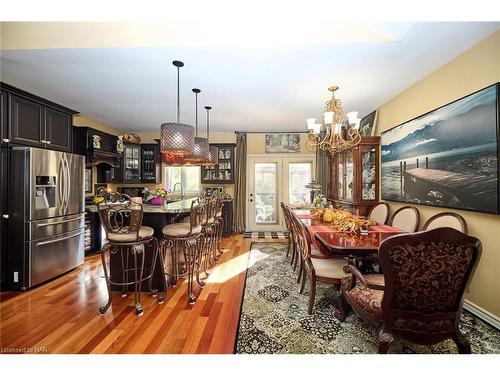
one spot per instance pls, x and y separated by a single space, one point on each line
360 248
333 241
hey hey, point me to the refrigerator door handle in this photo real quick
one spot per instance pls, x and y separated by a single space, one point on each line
68 182
60 183
42 243
59 222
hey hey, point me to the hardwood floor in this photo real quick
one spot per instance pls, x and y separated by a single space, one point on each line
62 316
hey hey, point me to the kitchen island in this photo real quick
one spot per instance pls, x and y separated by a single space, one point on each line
155 217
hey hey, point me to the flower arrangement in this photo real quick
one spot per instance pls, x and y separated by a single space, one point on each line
157 196
342 220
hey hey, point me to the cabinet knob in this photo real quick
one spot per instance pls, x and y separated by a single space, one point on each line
6 140
48 142
5 216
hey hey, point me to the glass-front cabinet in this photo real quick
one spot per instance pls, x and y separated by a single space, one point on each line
132 163
353 176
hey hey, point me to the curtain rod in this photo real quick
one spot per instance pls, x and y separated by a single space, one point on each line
269 132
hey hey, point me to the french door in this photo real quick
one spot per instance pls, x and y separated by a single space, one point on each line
271 180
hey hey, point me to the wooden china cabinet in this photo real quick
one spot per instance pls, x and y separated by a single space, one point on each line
353 176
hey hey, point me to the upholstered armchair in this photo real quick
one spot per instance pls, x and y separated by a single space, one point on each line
421 296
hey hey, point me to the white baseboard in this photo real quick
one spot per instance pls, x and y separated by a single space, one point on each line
482 313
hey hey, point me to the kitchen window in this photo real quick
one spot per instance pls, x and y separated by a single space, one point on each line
189 177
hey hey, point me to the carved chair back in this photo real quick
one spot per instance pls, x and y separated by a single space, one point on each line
302 238
426 274
197 215
380 212
285 215
446 219
119 214
406 218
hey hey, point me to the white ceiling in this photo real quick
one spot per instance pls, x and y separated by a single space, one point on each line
272 88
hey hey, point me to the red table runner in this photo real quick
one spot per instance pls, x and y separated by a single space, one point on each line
327 228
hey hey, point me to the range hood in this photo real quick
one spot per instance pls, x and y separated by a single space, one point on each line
96 157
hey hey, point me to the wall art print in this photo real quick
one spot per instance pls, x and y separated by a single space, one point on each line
447 157
283 142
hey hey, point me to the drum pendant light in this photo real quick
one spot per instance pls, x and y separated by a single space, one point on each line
177 140
213 150
200 154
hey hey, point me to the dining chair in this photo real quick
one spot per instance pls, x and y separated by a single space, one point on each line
287 224
406 218
325 270
419 301
380 213
121 218
446 220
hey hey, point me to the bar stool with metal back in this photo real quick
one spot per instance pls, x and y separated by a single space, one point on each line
219 220
209 226
186 239
121 218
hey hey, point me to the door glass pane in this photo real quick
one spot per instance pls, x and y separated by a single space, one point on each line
349 176
368 171
265 193
340 178
299 175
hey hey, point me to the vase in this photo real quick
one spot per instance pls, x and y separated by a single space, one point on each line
157 201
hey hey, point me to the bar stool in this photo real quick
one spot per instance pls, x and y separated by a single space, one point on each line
211 231
121 218
209 235
184 239
219 220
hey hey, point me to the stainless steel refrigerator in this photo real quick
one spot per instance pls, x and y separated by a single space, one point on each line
47 219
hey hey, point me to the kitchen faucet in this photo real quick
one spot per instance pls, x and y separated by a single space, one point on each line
182 188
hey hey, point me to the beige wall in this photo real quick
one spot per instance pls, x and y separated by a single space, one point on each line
478 67
81 120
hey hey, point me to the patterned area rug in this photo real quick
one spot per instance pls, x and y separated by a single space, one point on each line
266 235
274 317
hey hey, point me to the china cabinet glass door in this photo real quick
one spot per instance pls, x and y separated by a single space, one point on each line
349 175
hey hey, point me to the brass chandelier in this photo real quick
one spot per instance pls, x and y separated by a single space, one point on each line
335 135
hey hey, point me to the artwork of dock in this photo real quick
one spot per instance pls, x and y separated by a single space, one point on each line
453 188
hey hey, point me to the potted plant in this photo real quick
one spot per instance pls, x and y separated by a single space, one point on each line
157 196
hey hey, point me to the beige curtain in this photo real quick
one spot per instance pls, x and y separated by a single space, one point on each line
240 183
321 172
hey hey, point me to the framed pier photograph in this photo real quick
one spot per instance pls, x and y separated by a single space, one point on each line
447 157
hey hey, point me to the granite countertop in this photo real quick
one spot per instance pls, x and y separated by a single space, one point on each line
178 207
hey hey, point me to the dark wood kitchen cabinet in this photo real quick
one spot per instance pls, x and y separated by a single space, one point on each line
30 120
26 125
227 216
4 217
4 119
58 130
132 163
149 157
223 172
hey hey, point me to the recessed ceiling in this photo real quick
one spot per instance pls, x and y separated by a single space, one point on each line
270 86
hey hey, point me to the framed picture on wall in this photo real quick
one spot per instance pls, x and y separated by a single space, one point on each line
88 180
367 124
282 143
447 157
